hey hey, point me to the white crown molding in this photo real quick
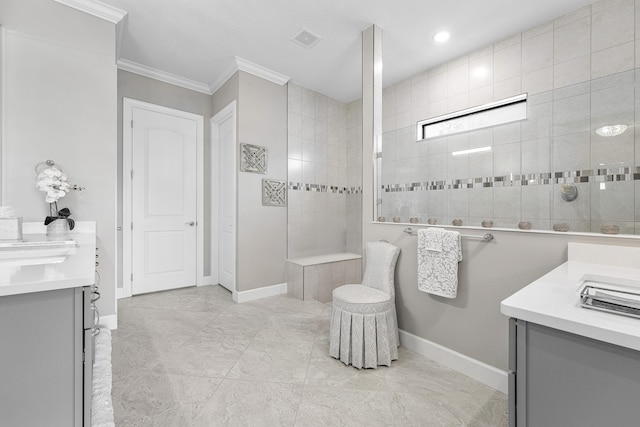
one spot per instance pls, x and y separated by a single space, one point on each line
120 27
260 71
163 76
96 8
249 67
222 79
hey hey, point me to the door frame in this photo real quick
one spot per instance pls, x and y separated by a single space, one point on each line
227 112
128 105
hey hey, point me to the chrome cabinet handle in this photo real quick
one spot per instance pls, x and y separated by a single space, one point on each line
190 223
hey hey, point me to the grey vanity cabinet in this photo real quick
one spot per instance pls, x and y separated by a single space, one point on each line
45 339
562 379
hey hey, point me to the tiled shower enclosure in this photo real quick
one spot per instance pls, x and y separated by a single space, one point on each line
579 76
325 174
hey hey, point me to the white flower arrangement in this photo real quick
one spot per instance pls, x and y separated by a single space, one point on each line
53 182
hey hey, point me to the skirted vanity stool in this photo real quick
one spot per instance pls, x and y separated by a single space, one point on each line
364 328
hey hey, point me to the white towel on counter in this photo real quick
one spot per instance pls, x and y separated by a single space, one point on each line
439 252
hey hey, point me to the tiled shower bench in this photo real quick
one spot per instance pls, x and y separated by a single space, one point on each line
315 277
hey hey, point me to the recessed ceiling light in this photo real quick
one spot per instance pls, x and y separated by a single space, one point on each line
306 38
441 36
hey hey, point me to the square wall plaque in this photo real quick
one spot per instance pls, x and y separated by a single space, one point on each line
274 192
253 158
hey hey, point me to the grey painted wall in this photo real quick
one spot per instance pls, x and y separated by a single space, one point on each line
489 272
261 230
60 103
142 88
262 120
227 93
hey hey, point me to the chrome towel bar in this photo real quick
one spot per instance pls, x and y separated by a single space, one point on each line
487 237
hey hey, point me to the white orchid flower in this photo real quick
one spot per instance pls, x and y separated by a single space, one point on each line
53 182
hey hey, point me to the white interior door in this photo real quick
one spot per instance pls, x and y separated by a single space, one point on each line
224 135
164 201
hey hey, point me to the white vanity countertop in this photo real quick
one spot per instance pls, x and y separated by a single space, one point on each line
76 269
553 300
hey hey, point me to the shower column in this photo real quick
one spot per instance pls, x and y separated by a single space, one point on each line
371 122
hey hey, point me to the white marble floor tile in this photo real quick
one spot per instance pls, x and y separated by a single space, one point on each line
202 356
168 321
137 353
193 357
251 403
328 406
273 361
170 395
419 410
238 325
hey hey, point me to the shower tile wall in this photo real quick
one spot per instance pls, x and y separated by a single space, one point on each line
578 71
322 186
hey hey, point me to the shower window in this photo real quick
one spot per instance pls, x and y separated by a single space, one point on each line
487 115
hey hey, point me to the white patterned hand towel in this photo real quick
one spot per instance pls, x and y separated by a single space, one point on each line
439 252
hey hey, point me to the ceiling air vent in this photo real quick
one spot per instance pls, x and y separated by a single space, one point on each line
306 38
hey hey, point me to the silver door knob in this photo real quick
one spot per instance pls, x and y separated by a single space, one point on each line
190 223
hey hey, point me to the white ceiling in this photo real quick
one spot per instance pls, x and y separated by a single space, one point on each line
199 40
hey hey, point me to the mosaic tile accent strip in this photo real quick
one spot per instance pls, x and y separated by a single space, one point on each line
274 192
253 158
516 180
321 188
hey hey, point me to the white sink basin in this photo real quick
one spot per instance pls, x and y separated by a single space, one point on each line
36 250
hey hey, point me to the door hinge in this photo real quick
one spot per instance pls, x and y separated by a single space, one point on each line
131 123
132 226
132 277
131 173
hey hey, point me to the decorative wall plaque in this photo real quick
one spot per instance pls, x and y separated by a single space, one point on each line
274 192
253 158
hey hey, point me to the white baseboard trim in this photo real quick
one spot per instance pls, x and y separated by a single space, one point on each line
206 280
109 322
479 371
264 292
121 293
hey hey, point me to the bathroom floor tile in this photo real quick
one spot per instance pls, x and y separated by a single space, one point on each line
274 361
251 403
154 394
328 406
413 410
193 357
202 356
